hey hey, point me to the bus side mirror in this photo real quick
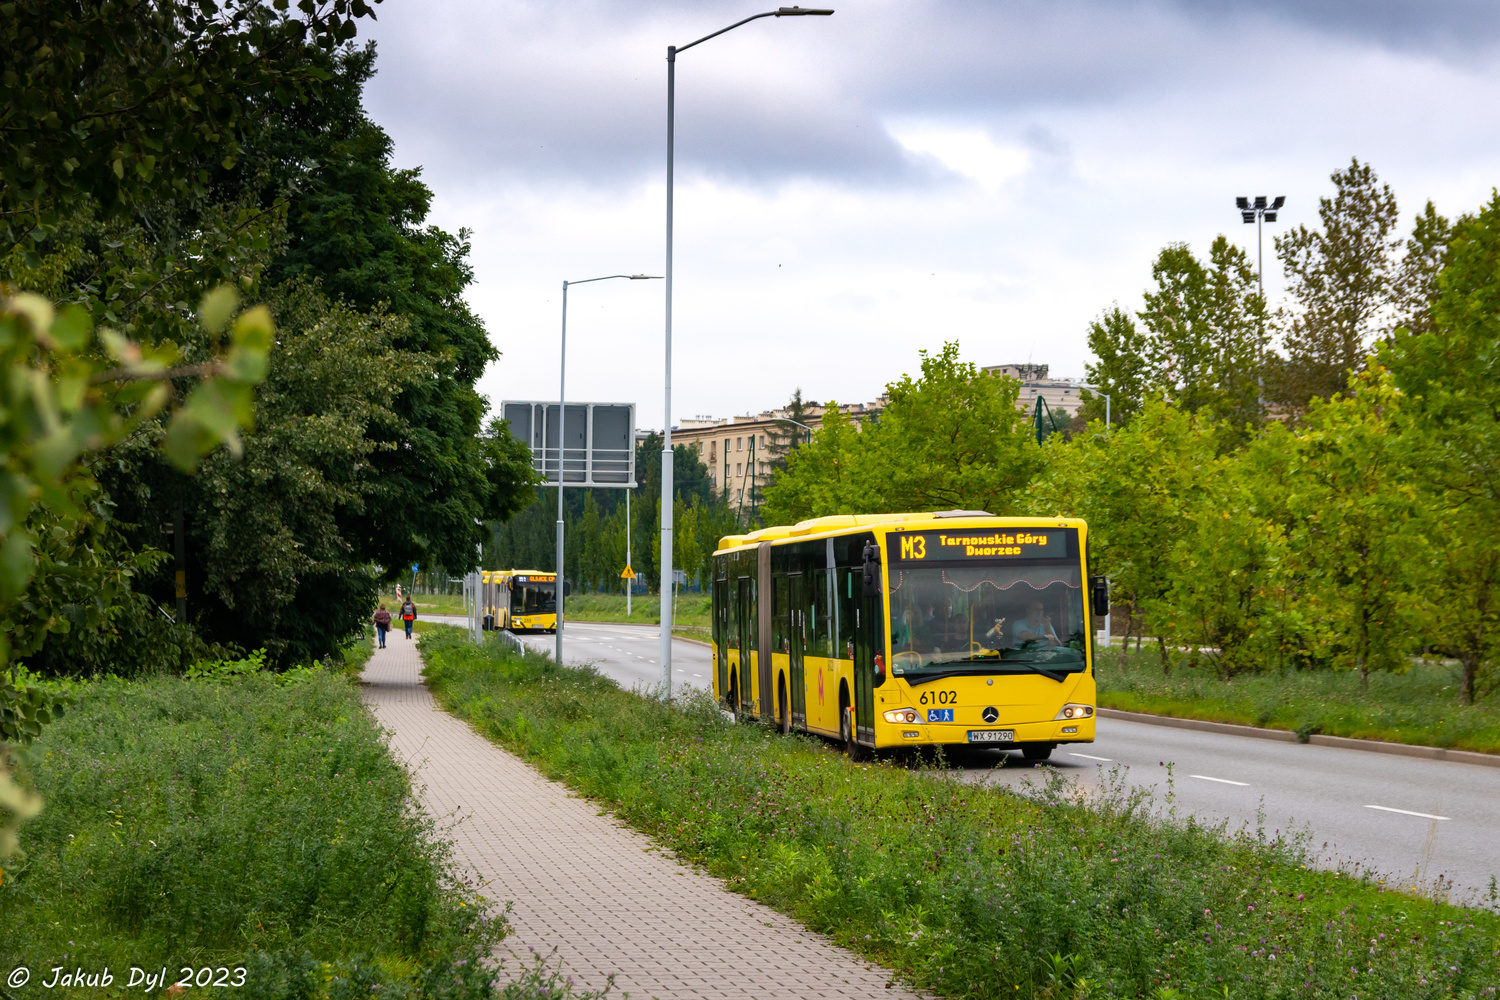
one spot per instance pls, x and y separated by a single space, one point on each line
871 570
1099 592
567 588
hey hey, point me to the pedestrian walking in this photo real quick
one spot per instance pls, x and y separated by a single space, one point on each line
382 624
408 615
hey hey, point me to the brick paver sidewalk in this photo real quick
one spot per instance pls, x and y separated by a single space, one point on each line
586 885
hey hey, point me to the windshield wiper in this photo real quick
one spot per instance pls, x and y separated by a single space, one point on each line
940 675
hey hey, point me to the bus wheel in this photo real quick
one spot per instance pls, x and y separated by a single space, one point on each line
1037 751
846 730
785 714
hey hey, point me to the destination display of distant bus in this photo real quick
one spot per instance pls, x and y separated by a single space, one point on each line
887 630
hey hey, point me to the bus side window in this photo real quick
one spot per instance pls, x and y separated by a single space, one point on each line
818 620
848 607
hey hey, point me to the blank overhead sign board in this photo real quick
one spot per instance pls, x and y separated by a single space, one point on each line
598 448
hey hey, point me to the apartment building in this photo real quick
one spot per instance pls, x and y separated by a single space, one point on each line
737 450
1061 396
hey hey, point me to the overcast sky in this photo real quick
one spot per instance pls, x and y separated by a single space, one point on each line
855 188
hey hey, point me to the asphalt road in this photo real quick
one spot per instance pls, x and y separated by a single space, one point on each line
1412 820
628 653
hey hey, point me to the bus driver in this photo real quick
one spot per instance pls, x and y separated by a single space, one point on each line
1036 627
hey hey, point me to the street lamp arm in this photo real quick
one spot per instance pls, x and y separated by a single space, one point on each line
1094 388
778 12
789 420
716 34
607 277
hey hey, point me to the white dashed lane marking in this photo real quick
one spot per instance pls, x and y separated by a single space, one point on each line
1408 812
1089 756
1222 781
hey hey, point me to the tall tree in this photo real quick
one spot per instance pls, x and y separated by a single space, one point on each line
1138 487
1204 342
787 436
1356 522
951 438
1415 286
1122 371
1450 373
356 225
1208 331
1340 280
119 104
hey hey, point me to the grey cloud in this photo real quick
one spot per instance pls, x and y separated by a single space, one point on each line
574 93
1451 27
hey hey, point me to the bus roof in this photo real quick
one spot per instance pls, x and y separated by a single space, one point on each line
843 524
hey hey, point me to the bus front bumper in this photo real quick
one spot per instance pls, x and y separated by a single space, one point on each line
998 734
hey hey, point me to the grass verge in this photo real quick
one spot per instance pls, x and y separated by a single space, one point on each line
970 891
1419 707
692 609
253 821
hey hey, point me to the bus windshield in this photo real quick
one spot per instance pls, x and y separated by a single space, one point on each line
532 598
997 618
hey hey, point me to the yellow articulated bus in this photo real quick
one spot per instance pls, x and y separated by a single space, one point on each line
887 630
521 600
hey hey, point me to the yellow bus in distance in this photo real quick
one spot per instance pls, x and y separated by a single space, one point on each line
520 600
886 630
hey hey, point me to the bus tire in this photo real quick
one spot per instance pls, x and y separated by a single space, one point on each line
1037 751
847 730
784 711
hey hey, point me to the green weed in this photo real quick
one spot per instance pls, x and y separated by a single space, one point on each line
970 891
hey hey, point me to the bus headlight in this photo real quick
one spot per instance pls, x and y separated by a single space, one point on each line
1074 712
901 715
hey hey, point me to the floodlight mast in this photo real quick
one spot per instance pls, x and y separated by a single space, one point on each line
666 415
1258 213
562 423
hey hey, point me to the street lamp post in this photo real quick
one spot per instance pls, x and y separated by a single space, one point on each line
666 416
1092 388
562 423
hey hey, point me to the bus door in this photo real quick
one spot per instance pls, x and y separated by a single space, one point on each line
744 609
721 637
797 598
869 642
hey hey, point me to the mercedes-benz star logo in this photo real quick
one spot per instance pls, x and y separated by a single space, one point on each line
990 714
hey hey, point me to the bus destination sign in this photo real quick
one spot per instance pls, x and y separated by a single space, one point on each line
537 578
961 546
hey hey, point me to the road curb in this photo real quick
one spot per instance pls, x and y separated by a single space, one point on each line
1172 722
1317 739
